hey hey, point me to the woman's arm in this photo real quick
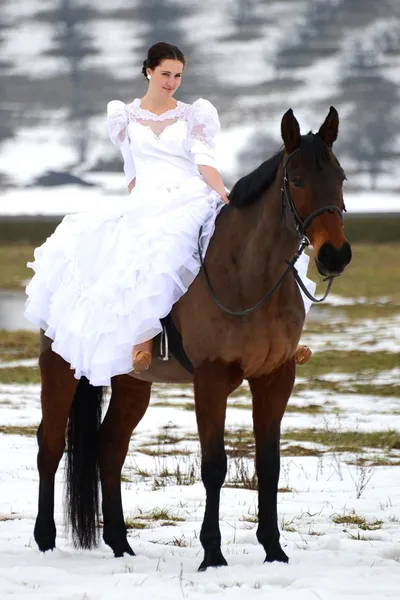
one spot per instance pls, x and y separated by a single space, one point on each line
213 178
131 184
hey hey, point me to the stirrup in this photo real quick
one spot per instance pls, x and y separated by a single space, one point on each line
302 355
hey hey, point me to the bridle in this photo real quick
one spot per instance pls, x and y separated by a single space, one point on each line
297 226
295 223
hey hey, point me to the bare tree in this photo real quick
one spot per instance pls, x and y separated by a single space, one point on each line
74 46
372 126
242 12
6 127
309 38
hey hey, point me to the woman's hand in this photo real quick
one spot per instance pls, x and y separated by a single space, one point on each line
225 198
132 184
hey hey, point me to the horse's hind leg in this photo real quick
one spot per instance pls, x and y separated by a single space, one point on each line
270 396
57 392
129 401
213 383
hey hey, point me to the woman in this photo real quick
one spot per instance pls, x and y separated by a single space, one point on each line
103 282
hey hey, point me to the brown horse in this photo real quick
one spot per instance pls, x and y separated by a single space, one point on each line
298 192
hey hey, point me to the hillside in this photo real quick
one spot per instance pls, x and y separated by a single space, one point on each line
61 62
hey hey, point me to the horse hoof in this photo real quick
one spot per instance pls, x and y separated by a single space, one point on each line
212 559
46 544
126 549
276 555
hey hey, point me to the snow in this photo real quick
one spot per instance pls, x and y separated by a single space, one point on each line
220 53
328 560
112 193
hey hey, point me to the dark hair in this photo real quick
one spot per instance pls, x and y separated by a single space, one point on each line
159 52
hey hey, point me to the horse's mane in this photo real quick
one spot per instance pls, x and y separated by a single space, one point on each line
314 154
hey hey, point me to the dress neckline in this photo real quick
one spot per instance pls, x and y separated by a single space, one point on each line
162 115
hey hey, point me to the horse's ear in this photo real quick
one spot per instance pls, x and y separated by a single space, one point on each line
330 127
290 131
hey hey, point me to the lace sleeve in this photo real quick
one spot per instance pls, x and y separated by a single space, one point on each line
117 121
203 127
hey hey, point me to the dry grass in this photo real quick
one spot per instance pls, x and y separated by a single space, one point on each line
21 375
13 269
26 430
357 520
18 345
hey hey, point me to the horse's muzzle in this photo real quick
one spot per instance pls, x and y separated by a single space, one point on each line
331 260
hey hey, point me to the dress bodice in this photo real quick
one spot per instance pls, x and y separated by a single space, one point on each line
163 150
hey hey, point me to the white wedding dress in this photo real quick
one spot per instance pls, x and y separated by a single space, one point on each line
103 281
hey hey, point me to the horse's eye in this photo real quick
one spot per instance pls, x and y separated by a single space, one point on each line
297 182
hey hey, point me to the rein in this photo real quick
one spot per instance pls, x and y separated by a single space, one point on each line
296 225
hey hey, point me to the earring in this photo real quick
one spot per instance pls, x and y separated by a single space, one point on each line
149 77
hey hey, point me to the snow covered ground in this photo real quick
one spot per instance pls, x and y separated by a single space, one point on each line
329 559
112 195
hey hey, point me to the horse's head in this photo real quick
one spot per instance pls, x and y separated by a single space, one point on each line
312 191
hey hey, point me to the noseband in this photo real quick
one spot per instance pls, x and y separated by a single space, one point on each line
297 226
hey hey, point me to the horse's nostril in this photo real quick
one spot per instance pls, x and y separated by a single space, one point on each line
334 260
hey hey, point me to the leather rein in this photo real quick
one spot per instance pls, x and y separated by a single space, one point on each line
298 226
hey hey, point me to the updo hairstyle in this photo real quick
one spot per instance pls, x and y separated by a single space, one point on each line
159 52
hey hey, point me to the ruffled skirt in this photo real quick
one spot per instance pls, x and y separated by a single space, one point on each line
103 281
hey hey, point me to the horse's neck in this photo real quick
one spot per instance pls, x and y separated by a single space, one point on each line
265 239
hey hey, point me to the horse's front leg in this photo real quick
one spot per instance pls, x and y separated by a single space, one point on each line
212 385
129 401
270 396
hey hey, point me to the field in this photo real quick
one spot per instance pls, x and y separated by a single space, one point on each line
339 500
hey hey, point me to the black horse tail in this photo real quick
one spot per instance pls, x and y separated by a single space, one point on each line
82 493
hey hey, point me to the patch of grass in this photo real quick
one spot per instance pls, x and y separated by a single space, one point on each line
358 536
13 269
249 519
310 409
346 440
348 519
375 461
295 450
243 475
159 514
288 526
182 405
162 451
125 479
132 524
179 542
391 390
179 476
4 518
18 345
27 430
20 375
351 361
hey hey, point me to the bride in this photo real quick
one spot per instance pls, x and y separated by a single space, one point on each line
103 282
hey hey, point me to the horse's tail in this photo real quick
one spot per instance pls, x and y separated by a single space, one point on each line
82 494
